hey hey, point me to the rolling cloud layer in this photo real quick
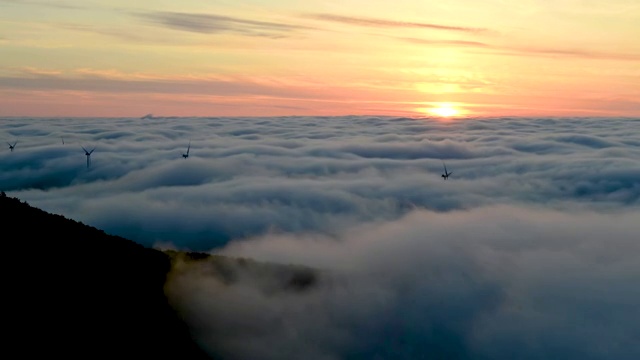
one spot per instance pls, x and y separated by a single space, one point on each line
496 282
528 251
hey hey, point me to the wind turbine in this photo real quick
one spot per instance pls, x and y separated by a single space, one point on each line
62 140
187 154
88 154
12 146
446 174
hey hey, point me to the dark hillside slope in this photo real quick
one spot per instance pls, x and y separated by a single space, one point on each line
71 290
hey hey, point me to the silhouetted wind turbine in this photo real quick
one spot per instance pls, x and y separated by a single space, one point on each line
62 140
12 146
446 174
88 154
187 154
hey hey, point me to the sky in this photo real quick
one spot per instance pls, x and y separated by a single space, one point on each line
529 250
411 58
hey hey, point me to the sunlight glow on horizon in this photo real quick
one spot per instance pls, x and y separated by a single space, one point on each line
287 58
445 110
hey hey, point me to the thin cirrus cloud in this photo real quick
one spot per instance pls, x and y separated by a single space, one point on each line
570 53
461 43
33 71
524 51
107 83
126 35
212 24
58 5
382 23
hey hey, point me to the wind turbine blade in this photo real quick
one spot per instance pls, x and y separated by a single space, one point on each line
85 150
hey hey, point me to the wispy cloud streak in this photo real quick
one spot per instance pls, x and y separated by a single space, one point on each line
37 80
212 24
570 53
50 4
382 23
461 43
525 51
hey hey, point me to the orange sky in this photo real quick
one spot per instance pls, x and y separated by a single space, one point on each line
352 57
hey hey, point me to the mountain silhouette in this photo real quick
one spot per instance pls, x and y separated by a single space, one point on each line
72 290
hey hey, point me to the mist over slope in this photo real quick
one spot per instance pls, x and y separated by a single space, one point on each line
498 282
530 250
71 290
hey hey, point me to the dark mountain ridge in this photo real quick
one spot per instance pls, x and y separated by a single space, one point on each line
73 290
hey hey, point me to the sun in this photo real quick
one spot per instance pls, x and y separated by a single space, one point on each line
444 110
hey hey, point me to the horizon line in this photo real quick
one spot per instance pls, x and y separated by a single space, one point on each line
450 118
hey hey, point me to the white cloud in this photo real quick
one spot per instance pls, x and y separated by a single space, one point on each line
247 175
494 282
528 251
